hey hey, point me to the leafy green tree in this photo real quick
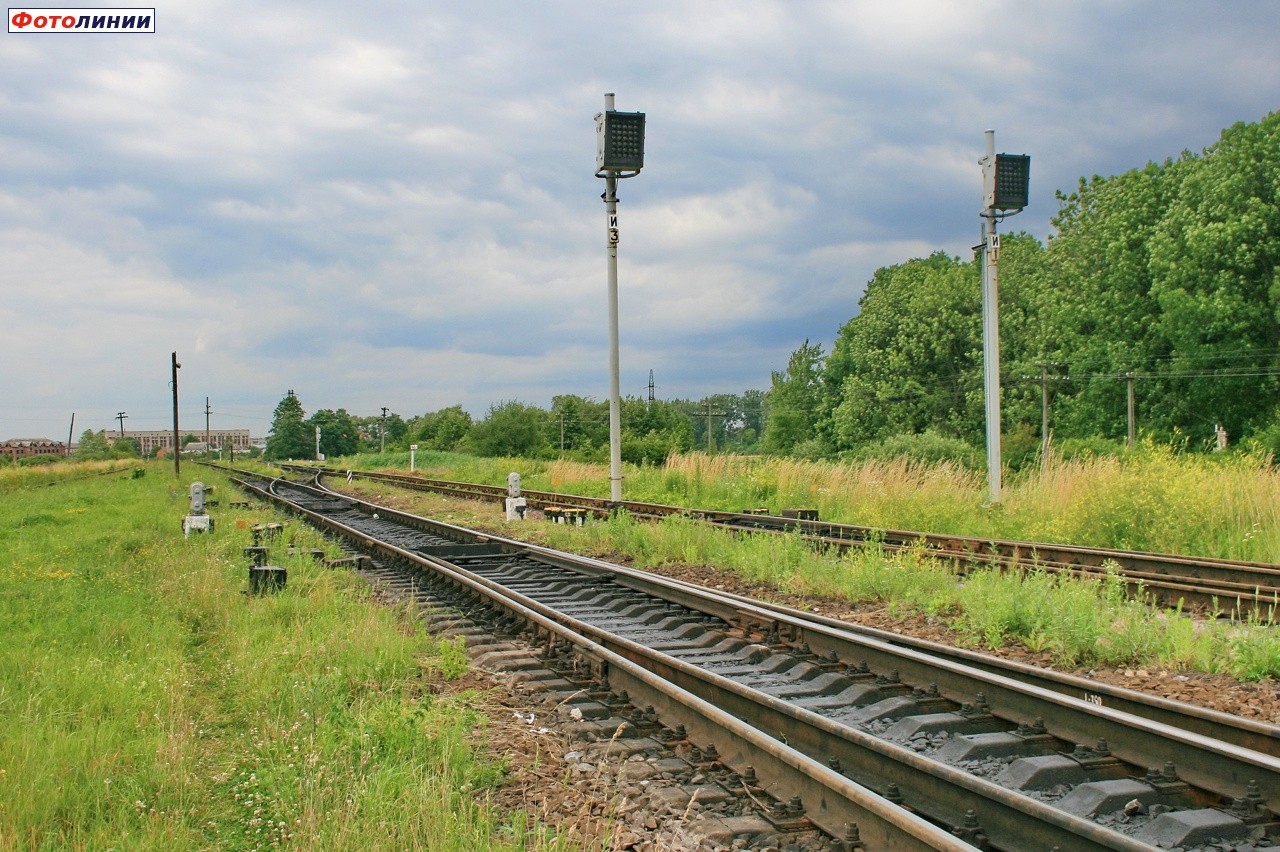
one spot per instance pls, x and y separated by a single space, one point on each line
289 437
653 430
744 426
511 429
911 359
444 430
736 421
795 400
125 448
370 428
397 431
1099 319
579 425
1168 272
339 432
93 446
1215 277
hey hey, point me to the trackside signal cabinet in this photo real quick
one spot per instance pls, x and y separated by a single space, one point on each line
619 141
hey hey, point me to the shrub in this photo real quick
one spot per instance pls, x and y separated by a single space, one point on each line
1092 447
813 449
1020 446
1266 441
42 459
927 447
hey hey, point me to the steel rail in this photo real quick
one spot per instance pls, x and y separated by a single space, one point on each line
844 802
1223 769
1208 759
1215 586
1010 821
1236 730
1228 728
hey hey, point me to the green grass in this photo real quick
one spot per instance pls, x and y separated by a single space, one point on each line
147 703
1156 498
1079 622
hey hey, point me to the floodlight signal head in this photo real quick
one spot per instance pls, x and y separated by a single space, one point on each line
619 141
1009 188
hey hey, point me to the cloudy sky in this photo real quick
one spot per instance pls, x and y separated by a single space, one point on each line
395 203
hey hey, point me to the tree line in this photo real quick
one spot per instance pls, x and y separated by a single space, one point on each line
573 427
1165 279
1163 282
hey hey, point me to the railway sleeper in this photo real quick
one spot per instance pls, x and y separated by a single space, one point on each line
1096 792
706 799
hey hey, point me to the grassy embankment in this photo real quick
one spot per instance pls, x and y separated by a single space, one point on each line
1155 500
146 703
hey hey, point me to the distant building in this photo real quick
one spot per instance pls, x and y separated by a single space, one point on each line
160 439
16 448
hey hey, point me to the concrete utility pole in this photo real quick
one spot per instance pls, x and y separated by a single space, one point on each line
615 385
1004 184
991 338
619 154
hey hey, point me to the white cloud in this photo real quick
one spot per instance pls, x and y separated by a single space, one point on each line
394 205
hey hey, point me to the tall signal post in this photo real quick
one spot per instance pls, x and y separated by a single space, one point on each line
619 155
1005 182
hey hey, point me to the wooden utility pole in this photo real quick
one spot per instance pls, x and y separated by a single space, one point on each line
1133 429
1044 408
711 445
177 447
1044 411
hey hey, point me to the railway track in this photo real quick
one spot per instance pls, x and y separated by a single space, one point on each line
1221 587
917 749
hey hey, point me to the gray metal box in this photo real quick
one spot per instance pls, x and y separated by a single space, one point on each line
620 141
